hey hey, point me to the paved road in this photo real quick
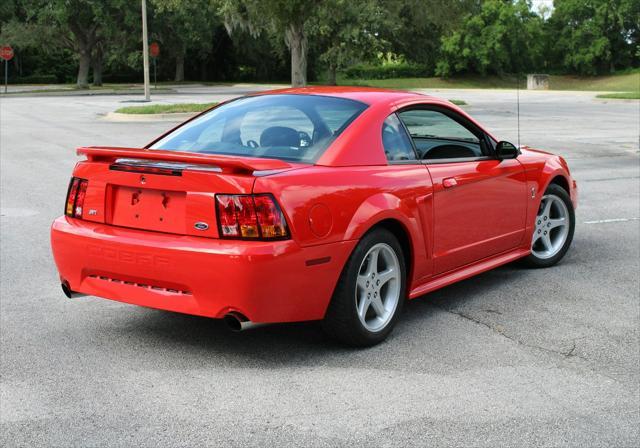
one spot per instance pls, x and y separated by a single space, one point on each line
513 357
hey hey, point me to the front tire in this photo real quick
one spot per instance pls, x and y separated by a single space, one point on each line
370 293
553 228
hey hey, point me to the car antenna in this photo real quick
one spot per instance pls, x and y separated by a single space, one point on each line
518 104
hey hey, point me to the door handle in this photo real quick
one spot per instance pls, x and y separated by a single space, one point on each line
449 182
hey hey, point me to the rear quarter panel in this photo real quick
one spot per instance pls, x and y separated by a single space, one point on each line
330 204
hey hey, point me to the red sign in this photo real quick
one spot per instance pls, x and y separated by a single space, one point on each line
154 49
6 52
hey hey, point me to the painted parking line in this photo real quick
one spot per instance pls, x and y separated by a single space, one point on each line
604 221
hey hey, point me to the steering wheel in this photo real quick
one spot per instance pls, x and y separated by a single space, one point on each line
252 144
305 139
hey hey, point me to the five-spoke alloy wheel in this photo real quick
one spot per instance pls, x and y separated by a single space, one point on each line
378 287
370 293
553 228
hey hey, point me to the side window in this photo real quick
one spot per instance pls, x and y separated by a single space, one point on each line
438 136
395 140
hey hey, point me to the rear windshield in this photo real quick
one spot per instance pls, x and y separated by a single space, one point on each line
290 127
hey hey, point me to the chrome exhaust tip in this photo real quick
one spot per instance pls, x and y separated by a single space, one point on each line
237 322
66 289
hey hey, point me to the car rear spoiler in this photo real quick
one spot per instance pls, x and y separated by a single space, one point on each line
236 164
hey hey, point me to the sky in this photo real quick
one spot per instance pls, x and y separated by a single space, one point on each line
537 3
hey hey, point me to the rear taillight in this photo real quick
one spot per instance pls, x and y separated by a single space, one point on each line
256 217
75 197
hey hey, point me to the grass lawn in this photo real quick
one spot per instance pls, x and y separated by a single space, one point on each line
165 108
624 82
621 95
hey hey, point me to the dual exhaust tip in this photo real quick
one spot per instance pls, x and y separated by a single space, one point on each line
235 321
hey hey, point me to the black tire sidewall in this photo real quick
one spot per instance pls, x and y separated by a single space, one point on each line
342 319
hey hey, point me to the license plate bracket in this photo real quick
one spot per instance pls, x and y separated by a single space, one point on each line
149 209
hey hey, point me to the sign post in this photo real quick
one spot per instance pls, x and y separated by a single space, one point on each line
154 51
6 53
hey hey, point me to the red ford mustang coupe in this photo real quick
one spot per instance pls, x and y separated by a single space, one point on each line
332 204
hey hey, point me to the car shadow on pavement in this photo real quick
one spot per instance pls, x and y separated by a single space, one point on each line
298 342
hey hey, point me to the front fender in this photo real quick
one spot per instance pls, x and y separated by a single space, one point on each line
541 170
553 170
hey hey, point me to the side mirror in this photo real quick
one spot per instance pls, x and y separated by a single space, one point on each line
506 150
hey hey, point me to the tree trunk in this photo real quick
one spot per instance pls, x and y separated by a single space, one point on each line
297 42
84 40
17 63
97 67
179 66
332 81
83 69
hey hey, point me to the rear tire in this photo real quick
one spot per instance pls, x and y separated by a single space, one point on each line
370 293
553 228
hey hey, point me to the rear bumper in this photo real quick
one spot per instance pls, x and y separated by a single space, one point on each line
265 281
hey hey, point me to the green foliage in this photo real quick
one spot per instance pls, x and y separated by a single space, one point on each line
181 26
595 36
288 19
36 79
626 82
348 31
621 96
400 70
420 24
504 37
276 40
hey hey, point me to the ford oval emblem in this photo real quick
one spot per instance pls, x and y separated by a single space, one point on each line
201 225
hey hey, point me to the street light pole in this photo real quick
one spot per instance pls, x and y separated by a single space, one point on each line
145 51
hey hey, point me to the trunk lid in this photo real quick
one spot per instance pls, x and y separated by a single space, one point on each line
164 191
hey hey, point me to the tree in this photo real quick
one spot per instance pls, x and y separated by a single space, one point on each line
596 36
20 27
78 26
282 18
420 24
82 26
181 25
348 31
503 37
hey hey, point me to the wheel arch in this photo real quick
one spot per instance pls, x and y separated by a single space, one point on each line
561 181
401 233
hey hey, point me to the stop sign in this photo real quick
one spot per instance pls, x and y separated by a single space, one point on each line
154 49
6 52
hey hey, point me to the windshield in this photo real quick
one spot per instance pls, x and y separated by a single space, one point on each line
290 127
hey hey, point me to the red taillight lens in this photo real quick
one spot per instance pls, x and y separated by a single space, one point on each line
75 197
270 218
250 217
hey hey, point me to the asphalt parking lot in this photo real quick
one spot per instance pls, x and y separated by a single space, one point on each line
513 357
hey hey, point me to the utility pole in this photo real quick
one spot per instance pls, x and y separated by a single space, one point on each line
145 51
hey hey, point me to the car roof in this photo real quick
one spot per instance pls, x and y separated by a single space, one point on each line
368 95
